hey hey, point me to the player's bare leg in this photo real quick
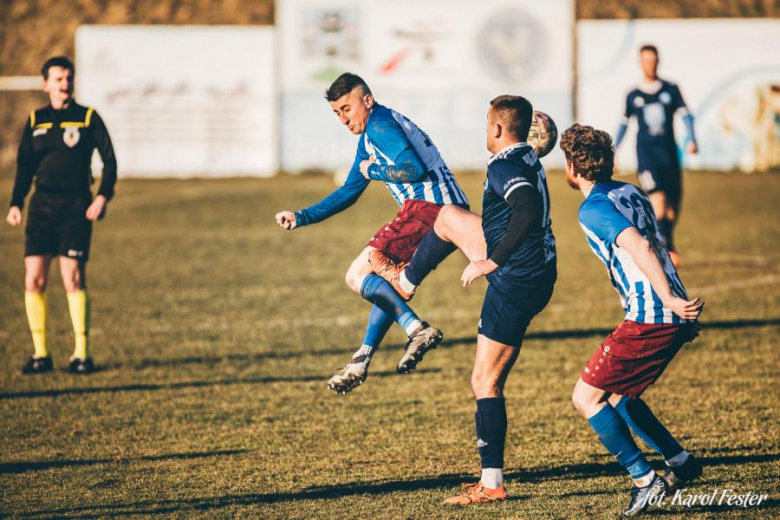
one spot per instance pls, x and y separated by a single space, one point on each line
36 275
74 279
492 364
454 227
464 229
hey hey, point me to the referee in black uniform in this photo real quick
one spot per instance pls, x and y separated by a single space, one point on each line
56 153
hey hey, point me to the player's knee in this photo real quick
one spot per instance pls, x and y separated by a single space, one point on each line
582 403
34 282
72 281
353 280
443 220
484 384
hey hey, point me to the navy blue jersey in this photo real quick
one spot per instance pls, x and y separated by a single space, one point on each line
654 108
508 170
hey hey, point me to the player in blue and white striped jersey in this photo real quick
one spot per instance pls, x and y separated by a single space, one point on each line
660 318
391 149
610 208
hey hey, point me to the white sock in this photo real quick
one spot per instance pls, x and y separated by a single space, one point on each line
492 478
365 350
404 282
413 326
678 460
645 481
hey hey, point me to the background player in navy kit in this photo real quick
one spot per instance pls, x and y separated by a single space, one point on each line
56 152
654 103
618 222
513 245
394 150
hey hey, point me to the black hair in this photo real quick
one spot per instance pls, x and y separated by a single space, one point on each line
57 61
344 84
516 113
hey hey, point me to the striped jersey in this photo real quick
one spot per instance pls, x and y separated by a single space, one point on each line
609 209
406 160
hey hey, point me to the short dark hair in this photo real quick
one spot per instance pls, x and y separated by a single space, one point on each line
589 151
57 61
649 48
516 113
344 84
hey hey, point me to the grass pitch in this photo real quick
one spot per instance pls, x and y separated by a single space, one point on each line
215 332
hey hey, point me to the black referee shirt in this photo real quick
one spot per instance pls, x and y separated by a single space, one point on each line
56 150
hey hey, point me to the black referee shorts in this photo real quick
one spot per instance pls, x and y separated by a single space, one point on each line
57 225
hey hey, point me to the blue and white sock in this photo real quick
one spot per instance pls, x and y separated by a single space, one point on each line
376 290
614 434
640 418
379 323
490 421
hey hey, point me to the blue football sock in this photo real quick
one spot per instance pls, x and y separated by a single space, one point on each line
429 254
376 290
640 418
490 420
615 436
379 323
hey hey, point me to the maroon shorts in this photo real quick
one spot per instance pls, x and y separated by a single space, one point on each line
634 356
399 238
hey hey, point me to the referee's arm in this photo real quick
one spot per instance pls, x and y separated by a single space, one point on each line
25 168
106 151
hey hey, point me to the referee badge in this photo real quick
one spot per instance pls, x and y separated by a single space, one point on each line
71 136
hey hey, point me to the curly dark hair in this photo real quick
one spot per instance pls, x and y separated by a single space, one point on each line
589 151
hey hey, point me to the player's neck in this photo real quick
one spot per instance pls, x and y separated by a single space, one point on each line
58 104
586 187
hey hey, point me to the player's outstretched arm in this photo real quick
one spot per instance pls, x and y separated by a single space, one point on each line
286 220
640 250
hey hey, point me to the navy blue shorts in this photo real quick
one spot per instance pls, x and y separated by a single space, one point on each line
508 309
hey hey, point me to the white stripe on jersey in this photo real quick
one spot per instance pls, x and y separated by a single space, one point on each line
513 188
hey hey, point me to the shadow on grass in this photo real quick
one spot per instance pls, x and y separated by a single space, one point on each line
567 472
214 360
22 467
587 333
193 384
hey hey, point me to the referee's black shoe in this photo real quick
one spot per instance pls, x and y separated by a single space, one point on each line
37 365
681 476
81 366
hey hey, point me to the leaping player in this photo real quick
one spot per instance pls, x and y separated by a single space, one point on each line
617 219
654 103
391 149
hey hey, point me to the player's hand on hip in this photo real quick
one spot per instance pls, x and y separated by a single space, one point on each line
476 269
97 209
365 164
686 309
286 220
693 147
14 217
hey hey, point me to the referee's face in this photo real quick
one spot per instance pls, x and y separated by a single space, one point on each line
353 110
59 86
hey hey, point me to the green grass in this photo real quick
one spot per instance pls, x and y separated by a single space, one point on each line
216 332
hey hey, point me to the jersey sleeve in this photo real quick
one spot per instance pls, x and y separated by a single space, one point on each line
602 218
407 166
677 100
345 196
25 167
106 150
629 106
504 177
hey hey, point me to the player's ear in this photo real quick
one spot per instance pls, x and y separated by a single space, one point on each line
368 99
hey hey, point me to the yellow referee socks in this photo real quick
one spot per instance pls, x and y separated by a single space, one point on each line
78 303
35 304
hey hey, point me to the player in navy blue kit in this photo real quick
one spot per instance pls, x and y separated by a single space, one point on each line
514 247
654 103
391 149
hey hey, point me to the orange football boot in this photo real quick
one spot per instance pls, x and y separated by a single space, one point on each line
389 270
477 494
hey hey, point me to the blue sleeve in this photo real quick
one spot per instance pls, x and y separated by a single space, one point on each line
504 177
339 200
388 136
603 218
621 132
677 100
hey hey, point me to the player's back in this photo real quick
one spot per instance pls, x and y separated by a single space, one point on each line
514 167
609 209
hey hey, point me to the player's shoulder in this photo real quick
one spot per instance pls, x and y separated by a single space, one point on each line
600 197
381 120
38 116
